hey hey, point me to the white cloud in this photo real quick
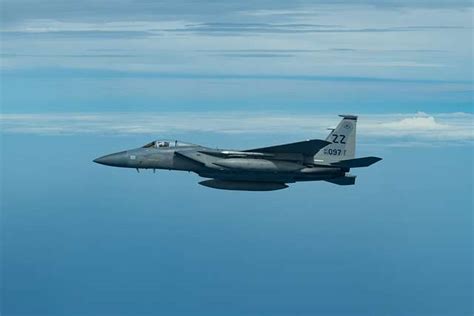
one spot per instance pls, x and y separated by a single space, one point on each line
177 44
48 25
396 128
416 123
421 126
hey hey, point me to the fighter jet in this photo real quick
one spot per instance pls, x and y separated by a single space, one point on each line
258 169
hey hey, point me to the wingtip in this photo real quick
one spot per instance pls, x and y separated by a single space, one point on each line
374 159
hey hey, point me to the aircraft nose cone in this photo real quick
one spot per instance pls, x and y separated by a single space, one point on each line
101 160
116 160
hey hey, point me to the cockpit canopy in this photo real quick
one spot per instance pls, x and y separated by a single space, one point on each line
166 144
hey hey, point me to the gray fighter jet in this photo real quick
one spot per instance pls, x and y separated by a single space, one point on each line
259 169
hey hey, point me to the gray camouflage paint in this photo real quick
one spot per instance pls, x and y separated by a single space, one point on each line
260 169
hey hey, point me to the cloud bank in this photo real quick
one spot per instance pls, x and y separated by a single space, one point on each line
395 128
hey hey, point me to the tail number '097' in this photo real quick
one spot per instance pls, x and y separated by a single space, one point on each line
335 152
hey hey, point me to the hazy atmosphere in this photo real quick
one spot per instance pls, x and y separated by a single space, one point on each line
80 79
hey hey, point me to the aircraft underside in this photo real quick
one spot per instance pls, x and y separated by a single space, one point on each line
258 181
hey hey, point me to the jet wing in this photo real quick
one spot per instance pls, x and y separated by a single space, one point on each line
235 154
202 157
306 148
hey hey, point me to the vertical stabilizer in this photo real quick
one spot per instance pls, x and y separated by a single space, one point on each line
343 140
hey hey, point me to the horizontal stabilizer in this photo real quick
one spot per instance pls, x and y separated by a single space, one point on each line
346 180
357 162
306 148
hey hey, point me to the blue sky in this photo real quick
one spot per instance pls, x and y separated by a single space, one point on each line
316 56
82 79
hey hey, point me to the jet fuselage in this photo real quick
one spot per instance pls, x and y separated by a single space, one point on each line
238 169
259 169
